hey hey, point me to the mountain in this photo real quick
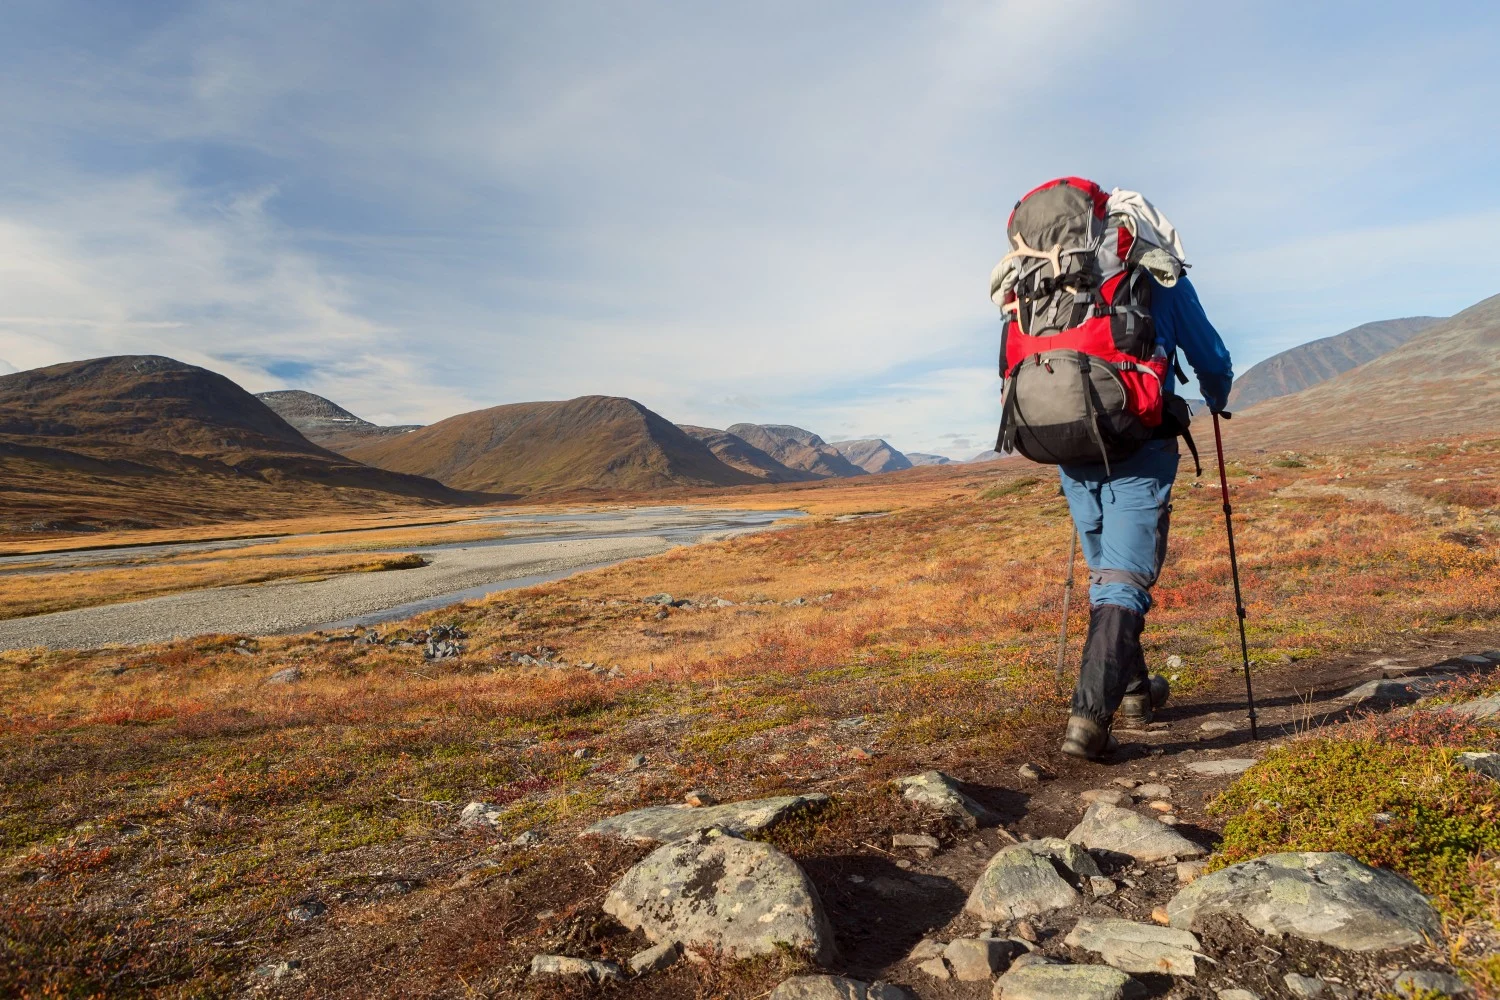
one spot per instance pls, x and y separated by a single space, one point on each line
922 458
1444 382
144 440
738 453
985 456
872 454
1320 360
797 449
589 443
323 421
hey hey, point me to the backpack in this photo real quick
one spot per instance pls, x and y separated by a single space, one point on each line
1084 380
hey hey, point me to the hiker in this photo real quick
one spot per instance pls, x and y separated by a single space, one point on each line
1095 306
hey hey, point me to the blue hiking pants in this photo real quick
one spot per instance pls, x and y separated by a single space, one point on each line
1122 522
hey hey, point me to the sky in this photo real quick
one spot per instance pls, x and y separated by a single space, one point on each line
773 212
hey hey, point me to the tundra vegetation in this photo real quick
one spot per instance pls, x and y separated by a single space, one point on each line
163 809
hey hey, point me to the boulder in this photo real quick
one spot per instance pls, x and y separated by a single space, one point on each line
565 965
1133 947
1379 691
937 791
479 814
836 988
1326 897
1046 981
735 897
1023 879
655 958
1109 828
1305 987
660 824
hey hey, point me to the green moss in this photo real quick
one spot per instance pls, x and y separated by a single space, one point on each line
1009 488
1436 820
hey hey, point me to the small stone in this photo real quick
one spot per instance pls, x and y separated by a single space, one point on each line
307 910
1109 828
636 763
477 814
1378 691
1022 880
1414 983
1487 764
936 790
1187 871
1219 768
836 988
658 599
903 864
1217 726
583 753
289 675
1168 819
655 958
279 971
1304 986
1099 885
1026 932
1238 994
565 965
1154 790
976 959
915 840
1030 772
1126 783
526 838
936 968
1046 981
697 798
1030 958
1160 916
1134 947
1113 796
925 949
1175 662
1161 806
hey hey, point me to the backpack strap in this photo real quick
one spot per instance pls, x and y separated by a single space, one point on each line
1088 406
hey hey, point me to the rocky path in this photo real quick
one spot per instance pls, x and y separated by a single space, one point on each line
1061 879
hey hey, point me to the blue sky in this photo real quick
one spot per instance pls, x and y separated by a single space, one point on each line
777 212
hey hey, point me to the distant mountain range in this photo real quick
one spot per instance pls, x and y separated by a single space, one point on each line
144 439
922 458
323 421
873 455
797 449
738 453
1320 360
1442 382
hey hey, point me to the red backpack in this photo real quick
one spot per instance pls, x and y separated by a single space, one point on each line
1084 381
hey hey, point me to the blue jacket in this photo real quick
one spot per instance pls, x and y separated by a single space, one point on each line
1182 323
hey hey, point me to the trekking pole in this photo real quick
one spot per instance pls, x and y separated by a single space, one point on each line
1062 640
1234 569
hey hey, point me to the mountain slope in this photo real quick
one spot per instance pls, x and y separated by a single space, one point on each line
738 453
1320 360
797 449
872 454
323 421
1444 382
589 443
149 440
923 458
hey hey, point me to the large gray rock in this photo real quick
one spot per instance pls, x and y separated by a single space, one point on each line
1023 880
659 824
1122 831
1065 982
735 897
1380 691
1416 982
836 988
1134 947
1330 898
1222 767
937 791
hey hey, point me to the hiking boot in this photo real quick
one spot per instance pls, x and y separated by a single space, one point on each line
1087 738
1139 708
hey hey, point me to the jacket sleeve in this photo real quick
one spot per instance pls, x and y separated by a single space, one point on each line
1198 339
